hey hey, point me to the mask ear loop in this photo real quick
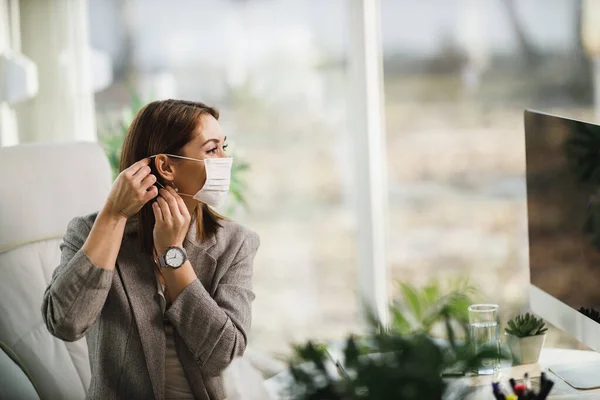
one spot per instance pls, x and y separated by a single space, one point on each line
176 189
173 183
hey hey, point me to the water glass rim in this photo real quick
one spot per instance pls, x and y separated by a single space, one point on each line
490 307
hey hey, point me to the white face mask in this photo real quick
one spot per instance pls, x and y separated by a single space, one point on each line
218 178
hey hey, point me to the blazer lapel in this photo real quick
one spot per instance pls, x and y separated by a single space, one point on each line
202 261
139 280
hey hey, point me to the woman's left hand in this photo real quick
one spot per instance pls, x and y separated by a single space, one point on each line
172 220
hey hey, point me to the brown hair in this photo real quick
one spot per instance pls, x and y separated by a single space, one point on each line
165 127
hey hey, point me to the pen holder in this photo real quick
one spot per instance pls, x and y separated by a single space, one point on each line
523 391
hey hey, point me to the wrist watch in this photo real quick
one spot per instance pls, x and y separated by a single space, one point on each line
174 257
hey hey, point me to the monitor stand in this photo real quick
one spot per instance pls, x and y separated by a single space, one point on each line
582 376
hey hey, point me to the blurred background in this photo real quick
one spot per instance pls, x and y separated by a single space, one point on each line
457 75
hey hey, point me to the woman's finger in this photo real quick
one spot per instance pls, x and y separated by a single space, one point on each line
151 193
183 210
148 181
157 212
135 167
141 173
174 208
164 207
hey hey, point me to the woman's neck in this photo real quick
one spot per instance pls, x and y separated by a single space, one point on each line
191 204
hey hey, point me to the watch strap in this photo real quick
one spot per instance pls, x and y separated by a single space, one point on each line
162 261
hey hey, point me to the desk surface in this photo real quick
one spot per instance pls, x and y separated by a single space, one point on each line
548 358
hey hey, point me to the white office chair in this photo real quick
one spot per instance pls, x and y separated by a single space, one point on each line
42 187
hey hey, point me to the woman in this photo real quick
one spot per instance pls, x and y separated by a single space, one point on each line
158 282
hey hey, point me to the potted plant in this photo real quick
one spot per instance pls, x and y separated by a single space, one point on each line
525 335
402 361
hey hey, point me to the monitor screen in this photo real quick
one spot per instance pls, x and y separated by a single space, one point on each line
563 204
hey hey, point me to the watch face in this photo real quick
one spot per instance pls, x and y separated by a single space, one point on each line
174 257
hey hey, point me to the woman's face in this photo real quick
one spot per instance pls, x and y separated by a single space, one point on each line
189 176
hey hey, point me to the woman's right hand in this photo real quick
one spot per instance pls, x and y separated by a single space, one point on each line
133 188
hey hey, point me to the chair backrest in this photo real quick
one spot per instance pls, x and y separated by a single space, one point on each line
14 382
44 186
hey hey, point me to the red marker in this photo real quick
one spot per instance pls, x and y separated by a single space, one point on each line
520 389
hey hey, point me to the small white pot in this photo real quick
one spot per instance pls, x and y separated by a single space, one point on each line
525 350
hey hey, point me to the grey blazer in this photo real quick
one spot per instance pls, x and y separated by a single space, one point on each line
119 311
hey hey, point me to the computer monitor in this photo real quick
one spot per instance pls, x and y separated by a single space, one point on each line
563 207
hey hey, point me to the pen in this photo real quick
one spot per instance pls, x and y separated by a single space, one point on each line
453 374
341 370
502 387
543 377
498 392
513 383
530 395
545 390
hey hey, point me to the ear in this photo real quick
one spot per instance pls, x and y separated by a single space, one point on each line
165 167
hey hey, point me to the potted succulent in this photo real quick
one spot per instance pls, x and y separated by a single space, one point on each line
525 335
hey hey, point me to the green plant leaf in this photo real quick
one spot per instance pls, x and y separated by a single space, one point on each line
401 324
431 293
525 325
411 298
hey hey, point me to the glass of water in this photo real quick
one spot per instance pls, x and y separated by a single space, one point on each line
484 330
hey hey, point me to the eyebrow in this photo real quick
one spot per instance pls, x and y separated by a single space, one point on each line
213 140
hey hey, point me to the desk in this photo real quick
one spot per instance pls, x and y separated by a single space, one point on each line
548 358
